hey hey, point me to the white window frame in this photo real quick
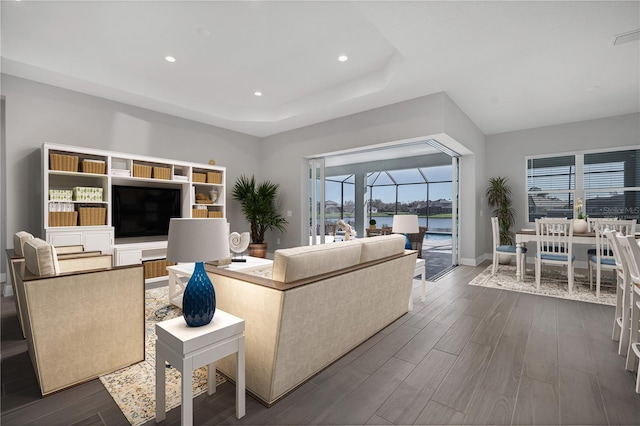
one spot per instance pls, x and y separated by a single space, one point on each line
579 191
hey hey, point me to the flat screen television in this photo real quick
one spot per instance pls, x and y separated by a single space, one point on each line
143 212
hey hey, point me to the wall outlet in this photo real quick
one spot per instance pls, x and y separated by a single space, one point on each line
289 213
278 241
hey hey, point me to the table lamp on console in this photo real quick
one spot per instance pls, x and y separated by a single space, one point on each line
405 224
198 240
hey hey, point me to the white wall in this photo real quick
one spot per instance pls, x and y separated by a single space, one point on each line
426 117
506 151
38 113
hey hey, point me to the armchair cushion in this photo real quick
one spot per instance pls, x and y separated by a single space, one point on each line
40 257
19 239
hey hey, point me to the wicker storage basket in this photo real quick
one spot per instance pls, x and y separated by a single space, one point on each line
215 214
63 218
162 173
92 216
199 177
198 213
93 166
214 177
141 171
67 163
156 268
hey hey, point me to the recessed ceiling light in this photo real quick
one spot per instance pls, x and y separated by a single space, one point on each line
170 59
343 58
257 93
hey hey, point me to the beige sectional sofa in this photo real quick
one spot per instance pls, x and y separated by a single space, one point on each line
319 303
81 317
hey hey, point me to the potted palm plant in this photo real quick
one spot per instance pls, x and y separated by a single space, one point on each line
499 198
258 204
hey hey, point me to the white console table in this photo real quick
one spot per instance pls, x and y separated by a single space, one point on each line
179 274
189 348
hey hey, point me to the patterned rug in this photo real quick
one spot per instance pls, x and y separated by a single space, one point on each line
552 283
133 388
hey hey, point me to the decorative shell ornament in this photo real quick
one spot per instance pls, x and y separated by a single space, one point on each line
238 243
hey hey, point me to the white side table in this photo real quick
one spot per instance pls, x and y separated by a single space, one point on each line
179 275
418 271
189 348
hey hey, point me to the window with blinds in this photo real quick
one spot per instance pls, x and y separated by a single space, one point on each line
551 184
612 184
609 183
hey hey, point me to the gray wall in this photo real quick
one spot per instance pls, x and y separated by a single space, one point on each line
38 113
506 151
431 116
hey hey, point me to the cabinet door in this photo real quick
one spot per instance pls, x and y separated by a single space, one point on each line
98 240
65 238
128 257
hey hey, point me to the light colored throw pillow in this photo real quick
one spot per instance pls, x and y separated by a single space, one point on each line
19 239
40 257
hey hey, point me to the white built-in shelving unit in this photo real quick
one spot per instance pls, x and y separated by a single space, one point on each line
88 221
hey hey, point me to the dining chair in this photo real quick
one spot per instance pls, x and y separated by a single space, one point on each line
630 249
601 256
621 320
499 249
554 240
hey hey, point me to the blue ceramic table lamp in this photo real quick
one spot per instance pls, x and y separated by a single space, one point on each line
198 240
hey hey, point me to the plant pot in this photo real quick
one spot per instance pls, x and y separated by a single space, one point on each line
504 259
258 250
580 226
372 227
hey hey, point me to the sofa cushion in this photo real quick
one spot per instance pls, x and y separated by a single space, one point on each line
375 248
40 257
308 261
19 239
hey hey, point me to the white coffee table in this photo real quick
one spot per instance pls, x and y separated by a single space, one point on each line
179 274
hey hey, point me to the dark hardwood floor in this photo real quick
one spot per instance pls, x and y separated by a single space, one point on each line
467 355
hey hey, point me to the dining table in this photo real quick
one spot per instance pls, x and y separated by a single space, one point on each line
528 234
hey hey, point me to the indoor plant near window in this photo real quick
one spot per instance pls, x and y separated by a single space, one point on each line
580 225
258 203
372 224
499 198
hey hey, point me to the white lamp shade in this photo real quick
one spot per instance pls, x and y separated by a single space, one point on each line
405 224
197 240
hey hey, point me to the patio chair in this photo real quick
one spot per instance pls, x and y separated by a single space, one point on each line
554 239
631 251
504 249
601 256
417 239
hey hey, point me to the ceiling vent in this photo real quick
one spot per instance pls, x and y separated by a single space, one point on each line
627 37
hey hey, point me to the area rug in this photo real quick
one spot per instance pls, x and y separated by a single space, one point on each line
133 388
552 283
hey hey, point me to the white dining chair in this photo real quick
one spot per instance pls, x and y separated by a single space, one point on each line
509 250
630 249
554 240
622 316
601 256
